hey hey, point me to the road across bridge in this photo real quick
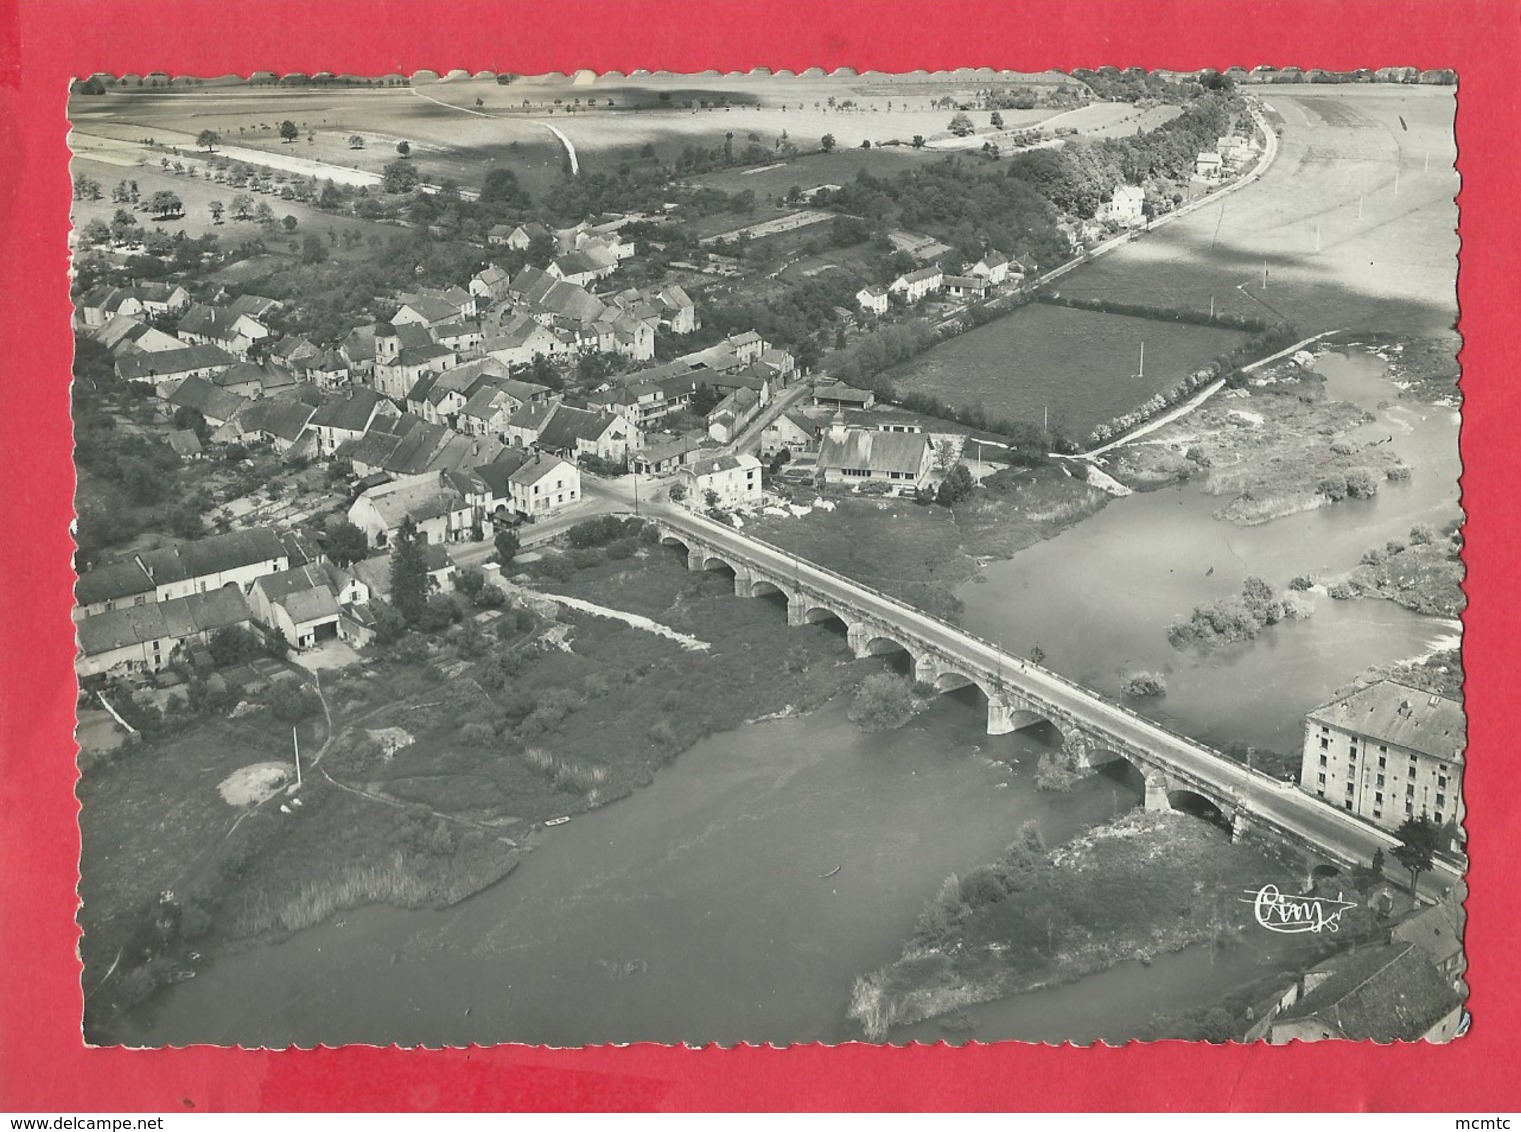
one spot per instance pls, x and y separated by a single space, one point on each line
1019 693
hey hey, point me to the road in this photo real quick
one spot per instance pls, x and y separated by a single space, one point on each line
1293 810
750 438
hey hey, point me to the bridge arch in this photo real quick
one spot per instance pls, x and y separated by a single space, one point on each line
1197 805
873 643
707 560
762 588
1118 766
813 613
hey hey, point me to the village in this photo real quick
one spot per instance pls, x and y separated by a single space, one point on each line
286 510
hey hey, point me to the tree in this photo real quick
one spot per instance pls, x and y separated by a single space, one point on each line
500 186
409 573
956 486
264 215
313 250
356 141
399 177
346 544
164 204
404 148
288 131
995 120
1417 846
678 492
961 125
506 543
288 222
208 139
918 141
541 251
826 143
216 209
242 206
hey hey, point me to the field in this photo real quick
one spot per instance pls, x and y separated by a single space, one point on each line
458 127
1080 365
1354 223
197 193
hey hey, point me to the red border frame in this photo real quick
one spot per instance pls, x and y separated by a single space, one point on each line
43 1065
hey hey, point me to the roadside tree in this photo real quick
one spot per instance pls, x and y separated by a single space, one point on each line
288 131
356 141
1417 846
961 125
404 148
208 139
826 143
506 543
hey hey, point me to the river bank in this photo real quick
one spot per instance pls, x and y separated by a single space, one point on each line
933 550
445 760
1146 884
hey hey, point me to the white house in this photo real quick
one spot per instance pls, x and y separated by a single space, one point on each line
917 284
300 604
440 513
873 299
544 485
1209 166
1125 207
735 481
994 267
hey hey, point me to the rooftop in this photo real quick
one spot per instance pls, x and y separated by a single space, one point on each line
1402 716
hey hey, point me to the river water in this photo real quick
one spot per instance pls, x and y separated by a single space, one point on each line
1098 597
699 910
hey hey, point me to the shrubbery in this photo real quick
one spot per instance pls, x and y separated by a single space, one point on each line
1145 684
1239 617
884 701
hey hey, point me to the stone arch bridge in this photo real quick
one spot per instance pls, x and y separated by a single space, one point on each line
1095 731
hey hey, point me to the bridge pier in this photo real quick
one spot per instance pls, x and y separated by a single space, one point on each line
695 556
742 579
1156 793
1241 825
1001 716
926 669
796 615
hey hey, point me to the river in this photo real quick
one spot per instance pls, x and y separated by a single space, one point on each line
707 907
1098 598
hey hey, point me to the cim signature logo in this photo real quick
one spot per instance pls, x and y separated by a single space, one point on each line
1279 912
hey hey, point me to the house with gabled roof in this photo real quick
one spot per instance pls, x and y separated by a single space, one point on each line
218 326
1381 993
123 335
256 306
667 452
993 266
300 604
872 299
794 431
99 305
399 367
734 481
348 415
491 283
149 637
525 234
573 432
583 266
916 285
281 421
236 559
170 367
522 339
859 455
543 485
216 405
440 513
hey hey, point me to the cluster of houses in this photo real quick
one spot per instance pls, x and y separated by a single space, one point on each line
977 281
1231 154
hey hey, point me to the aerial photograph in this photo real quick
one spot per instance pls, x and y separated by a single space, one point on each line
768 557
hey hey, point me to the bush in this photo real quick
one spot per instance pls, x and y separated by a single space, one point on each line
1145 684
1333 487
1361 484
601 531
584 558
956 486
490 597
1422 534
469 581
555 569
291 702
1301 582
477 734
884 701
1397 473
622 548
1342 591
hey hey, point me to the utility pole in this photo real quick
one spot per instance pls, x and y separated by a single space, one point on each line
634 467
295 741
